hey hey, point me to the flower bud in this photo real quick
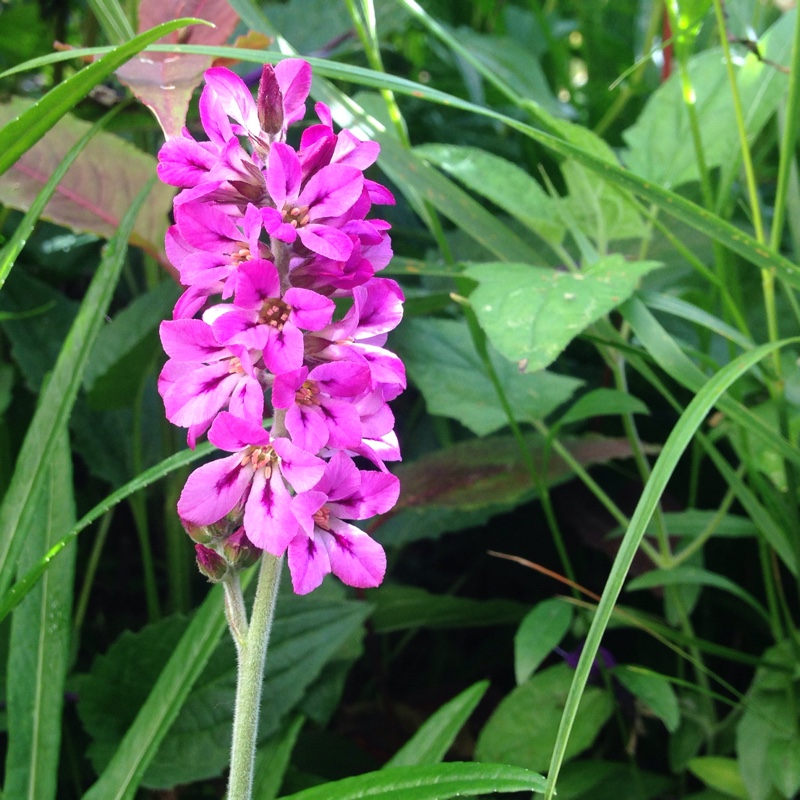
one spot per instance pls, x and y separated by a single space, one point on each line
210 563
239 551
270 102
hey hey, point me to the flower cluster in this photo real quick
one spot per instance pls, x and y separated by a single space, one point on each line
282 316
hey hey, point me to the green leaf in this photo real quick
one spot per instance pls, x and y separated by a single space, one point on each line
272 760
400 608
444 365
543 628
769 717
592 779
427 782
677 442
306 631
19 590
508 186
659 141
694 576
601 403
430 743
23 132
112 19
99 188
530 314
783 760
40 642
654 690
523 728
57 399
721 774
12 248
187 662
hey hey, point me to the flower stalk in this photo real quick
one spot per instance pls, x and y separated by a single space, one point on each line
250 678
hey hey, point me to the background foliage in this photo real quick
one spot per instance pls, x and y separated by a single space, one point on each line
598 231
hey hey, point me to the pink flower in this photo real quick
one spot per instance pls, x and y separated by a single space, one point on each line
328 544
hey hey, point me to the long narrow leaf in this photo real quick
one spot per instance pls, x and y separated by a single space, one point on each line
57 399
671 453
428 782
9 253
674 204
112 20
17 592
24 131
40 644
432 741
121 777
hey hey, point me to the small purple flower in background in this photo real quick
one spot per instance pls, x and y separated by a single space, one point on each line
266 237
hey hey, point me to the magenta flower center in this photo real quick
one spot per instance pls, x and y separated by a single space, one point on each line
240 256
235 366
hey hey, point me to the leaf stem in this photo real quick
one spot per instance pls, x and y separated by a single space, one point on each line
250 678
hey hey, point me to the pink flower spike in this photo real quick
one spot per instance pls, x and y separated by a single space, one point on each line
294 79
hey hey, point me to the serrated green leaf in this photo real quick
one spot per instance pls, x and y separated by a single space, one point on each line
306 631
504 183
522 730
530 314
427 782
40 642
23 132
543 628
431 742
444 365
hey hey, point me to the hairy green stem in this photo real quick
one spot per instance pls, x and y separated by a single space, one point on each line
250 678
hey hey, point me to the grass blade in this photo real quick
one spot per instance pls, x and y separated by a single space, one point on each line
432 741
24 131
56 401
40 644
672 451
427 782
112 20
17 592
9 253
121 777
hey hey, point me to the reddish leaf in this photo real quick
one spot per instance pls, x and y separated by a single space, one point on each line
252 40
164 82
97 190
490 470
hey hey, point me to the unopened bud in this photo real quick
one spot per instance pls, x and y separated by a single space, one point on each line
210 563
239 551
270 102
201 534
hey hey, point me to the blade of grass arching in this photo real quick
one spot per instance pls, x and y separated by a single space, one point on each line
430 743
112 20
56 400
23 132
12 248
17 592
674 204
666 353
121 776
39 646
673 449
